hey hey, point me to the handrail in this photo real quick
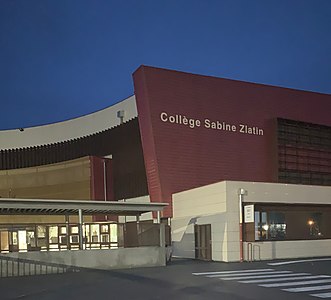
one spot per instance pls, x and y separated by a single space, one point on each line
15 266
251 252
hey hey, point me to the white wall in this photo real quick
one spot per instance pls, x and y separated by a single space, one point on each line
144 217
279 192
289 249
218 204
70 129
205 205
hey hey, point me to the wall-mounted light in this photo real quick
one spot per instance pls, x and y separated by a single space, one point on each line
120 115
310 222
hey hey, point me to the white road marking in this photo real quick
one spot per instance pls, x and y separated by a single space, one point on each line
230 272
271 278
322 295
297 261
308 288
306 282
247 274
288 277
258 277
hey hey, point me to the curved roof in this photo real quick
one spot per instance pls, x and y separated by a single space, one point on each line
70 129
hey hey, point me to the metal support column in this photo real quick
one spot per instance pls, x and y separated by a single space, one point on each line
67 221
138 230
241 194
158 217
80 228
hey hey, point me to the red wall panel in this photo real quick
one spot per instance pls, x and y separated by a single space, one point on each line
178 157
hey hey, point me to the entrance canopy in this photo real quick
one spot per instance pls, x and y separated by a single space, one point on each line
72 207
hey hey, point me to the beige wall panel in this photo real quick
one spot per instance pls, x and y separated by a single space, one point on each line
205 205
183 238
279 193
200 201
233 256
68 180
291 249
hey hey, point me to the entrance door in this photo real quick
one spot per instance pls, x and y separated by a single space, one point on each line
17 240
13 241
202 235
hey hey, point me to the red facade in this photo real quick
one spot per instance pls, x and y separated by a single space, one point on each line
197 130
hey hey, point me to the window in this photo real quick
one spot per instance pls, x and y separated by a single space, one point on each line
289 222
261 225
314 224
277 226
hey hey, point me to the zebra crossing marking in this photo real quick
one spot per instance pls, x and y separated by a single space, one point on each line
230 272
322 295
270 278
283 277
295 276
306 282
308 288
298 261
246 275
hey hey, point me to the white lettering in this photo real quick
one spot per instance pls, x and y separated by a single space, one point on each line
183 120
220 125
253 130
164 117
180 120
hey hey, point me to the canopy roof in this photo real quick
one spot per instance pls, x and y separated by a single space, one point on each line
71 207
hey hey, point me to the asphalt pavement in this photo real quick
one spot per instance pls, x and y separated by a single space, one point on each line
182 279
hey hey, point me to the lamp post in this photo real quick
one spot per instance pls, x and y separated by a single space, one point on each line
241 193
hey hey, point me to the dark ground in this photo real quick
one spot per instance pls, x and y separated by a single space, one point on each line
174 281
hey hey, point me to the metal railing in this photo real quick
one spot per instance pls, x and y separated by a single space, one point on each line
251 251
14 266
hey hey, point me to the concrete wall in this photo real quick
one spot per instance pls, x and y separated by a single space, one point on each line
144 217
206 205
218 204
289 249
101 259
279 193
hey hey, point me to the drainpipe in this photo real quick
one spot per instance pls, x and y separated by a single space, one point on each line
104 179
105 190
241 194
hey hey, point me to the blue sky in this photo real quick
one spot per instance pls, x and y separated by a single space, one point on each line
61 59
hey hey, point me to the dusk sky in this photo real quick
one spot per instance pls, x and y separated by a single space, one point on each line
61 59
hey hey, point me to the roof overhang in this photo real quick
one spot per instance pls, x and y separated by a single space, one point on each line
14 206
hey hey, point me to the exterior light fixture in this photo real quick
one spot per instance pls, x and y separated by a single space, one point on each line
310 222
265 227
120 115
